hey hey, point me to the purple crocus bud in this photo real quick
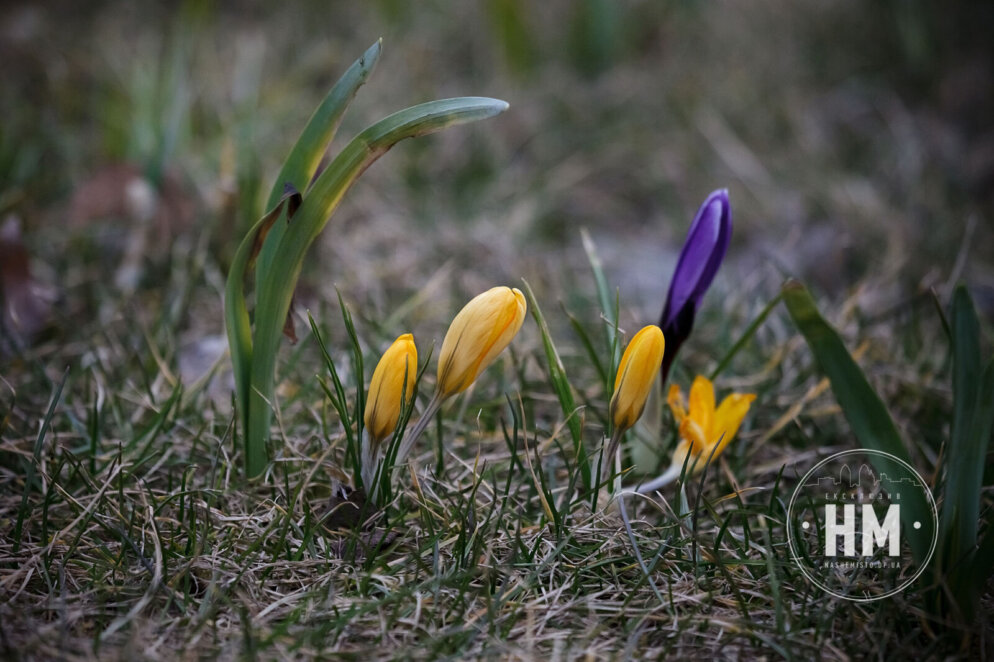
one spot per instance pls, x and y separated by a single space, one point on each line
703 251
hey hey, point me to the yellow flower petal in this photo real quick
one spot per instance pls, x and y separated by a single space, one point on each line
701 408
693 433
704 430
683 449
728 418
637 372
477 335
677 403
387 388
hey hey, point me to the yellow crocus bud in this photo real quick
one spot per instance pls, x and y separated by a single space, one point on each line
637 372
399 364
481 331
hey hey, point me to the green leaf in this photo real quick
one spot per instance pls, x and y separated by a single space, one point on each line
562 387
868 417
276 290
304 157
236 317
966 565
967 448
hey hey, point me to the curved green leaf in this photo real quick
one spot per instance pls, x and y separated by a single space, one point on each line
236 317
304 157
868 417
275 292
562 387
973 417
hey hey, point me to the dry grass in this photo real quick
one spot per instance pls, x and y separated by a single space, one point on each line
137 539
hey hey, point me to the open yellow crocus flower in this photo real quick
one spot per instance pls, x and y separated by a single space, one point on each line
705 430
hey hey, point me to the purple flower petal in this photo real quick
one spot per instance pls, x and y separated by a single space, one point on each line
703 251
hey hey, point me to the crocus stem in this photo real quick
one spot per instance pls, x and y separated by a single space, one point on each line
607 463
367 464
631 537
411 437
661 480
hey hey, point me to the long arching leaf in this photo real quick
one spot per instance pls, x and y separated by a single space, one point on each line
304 157
274 294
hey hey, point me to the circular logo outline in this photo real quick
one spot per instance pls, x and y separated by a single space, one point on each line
935 529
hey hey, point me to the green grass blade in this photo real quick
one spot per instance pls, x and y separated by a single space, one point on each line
749 332
338 400
868 417
276 291
304 157
562 387
588 346
29 474
358 372
603 298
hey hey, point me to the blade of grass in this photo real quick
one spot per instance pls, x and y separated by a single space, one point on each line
603 297
588 345
973 417
746 336
966 451
357 367
562 387
29 477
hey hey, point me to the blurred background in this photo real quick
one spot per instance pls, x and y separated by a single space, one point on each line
139 139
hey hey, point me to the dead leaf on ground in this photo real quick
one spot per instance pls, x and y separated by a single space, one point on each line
27 304
348 509
109 194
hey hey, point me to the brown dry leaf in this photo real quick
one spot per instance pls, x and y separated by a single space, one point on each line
27 305
349 509
107 195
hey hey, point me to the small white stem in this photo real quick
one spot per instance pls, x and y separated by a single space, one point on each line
367 463
662 480
411 437
608 459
